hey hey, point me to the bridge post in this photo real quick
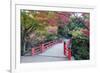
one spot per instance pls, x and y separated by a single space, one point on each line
42 48
33 51
69 54
65 47
67 50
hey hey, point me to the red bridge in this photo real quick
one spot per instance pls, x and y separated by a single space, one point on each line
43 47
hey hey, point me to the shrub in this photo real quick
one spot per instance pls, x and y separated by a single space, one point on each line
80 48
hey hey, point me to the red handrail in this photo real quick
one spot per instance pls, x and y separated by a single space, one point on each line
44 46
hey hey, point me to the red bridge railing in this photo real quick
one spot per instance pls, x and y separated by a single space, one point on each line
67 49
43 47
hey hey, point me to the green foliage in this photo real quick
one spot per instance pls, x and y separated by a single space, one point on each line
28 26
76 33
80 48
75 24
51 37
63 31
80 43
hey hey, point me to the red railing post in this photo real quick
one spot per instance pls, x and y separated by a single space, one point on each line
42 47
65 48
33 51
69 54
